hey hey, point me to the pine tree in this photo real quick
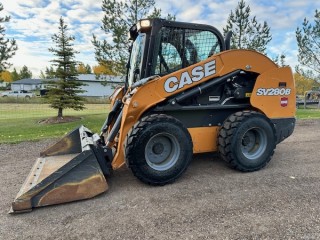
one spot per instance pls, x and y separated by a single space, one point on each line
280 60
119 17
88 69
247 32
7 47
14 75
308 39
42 75
50 73
65 93
25 73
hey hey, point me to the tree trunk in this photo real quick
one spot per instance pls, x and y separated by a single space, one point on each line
60 112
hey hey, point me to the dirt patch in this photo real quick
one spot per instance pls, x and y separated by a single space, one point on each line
54 120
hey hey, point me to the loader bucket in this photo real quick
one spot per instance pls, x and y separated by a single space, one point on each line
71 169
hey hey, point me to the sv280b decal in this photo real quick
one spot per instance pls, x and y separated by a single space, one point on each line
273 91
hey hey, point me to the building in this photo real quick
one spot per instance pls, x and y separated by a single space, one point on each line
99 86
95 86
3 84
27 84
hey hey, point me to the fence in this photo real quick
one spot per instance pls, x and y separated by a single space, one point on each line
305 103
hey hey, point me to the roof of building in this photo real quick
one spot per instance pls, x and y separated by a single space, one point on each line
81 77
28 81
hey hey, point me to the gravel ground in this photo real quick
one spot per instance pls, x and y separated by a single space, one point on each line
210 201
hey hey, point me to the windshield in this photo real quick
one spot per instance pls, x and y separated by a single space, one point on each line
136 59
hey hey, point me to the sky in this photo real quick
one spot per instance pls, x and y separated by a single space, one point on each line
33 22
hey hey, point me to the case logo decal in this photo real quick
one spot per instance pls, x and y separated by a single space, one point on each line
172 84
273 91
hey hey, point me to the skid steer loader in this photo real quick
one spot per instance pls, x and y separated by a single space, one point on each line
185 93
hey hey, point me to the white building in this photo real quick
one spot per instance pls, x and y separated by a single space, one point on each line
4 84
95 86
27 84
99 86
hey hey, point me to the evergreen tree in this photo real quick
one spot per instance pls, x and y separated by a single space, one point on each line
7 47
88 69
247 32
119 17
50 72
280 60
42 75
65 93
25 73
308 39
15 75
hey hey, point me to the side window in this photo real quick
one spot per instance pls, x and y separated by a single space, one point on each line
206 43
179 48
168 59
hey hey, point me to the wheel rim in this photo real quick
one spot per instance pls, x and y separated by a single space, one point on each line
253 143
162 151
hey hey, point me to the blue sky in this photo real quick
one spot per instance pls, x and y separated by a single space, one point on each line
34 21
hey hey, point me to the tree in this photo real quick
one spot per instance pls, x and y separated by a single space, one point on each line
81 68
42 75
308 39
280 60
103 69
119 17
88 69
65 93
7 47
247 32
14 75
6 76
304 84
84 69
50 72
25 73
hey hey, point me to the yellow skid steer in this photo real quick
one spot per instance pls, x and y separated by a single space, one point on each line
185 93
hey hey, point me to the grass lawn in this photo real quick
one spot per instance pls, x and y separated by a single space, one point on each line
308 113
19 122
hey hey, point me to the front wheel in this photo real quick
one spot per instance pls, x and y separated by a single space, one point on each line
158 149
247 141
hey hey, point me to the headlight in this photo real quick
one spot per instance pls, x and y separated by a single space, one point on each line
143 24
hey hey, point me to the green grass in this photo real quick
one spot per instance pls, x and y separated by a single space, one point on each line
11 111
19 122
308 113
43 100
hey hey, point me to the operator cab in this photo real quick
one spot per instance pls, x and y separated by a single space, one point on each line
161 47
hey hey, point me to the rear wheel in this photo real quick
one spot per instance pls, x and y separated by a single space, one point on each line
247 141
158 149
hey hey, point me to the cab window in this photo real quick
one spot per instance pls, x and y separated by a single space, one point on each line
179 48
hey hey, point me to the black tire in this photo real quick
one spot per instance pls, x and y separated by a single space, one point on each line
247 141
158 149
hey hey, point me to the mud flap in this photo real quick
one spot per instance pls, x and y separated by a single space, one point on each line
72 169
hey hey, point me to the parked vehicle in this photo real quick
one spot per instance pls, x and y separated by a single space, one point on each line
186 93
21 93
